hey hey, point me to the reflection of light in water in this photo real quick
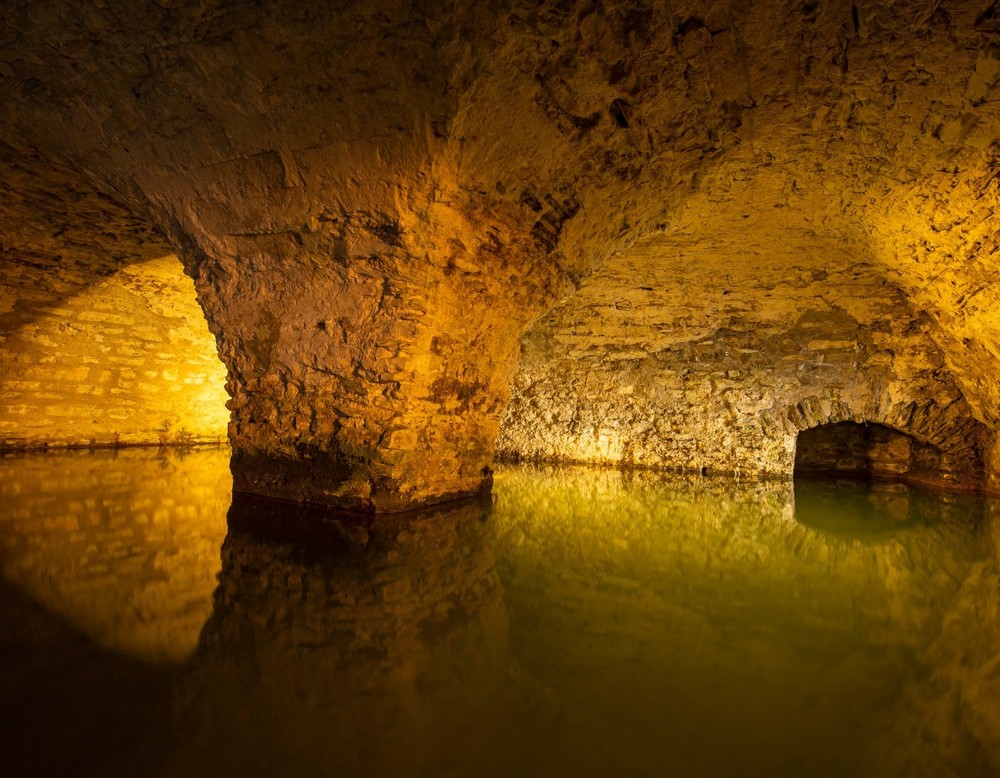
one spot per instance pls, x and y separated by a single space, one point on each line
594 622
698 609
879 509
124 544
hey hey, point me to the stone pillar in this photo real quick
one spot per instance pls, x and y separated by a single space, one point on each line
381 399
371 198
370 356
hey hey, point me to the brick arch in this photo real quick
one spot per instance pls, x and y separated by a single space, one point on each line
949 426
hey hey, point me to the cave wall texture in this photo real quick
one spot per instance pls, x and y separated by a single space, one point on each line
713 223
102 341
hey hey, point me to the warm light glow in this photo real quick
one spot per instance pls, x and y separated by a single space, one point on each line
936 240
129 360
123 545
600 446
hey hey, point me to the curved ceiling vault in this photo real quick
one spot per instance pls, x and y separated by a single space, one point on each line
376 200
102 341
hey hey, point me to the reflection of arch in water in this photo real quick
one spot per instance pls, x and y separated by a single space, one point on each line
858 510
832 460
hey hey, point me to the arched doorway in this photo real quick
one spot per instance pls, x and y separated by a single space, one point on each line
851 450
854 479
873 451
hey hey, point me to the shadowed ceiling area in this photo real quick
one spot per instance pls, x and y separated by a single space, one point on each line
669 234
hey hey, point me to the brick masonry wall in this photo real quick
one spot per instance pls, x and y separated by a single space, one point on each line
126 360
382 197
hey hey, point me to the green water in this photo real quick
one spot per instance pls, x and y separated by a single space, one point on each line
583 622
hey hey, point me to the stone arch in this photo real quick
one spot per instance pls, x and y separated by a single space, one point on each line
368 264
102 338
948 439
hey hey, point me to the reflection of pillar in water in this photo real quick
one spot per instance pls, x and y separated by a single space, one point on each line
344 646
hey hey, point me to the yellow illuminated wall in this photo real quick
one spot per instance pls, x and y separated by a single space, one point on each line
128 360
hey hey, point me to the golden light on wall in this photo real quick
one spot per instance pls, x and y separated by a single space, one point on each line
129 360
604 446
122 545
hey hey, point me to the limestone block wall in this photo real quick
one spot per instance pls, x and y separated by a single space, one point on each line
376 199
676 355
127 359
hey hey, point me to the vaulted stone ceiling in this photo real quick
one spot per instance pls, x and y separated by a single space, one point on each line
378 199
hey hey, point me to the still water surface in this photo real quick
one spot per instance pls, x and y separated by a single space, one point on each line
585 622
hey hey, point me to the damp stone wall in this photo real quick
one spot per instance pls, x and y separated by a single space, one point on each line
125 360
721 368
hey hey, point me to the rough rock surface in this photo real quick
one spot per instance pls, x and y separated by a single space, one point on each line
719 367
376 199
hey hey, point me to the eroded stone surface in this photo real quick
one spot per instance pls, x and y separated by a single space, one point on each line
376 199
59 235
722 365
